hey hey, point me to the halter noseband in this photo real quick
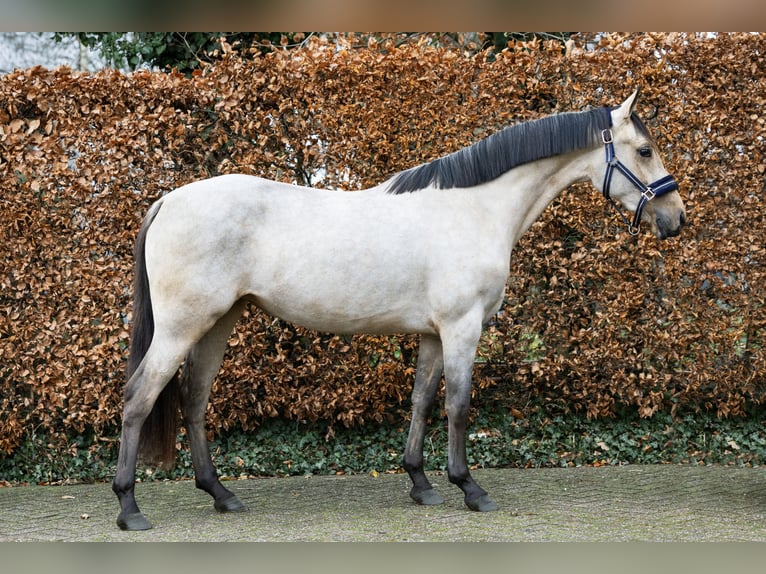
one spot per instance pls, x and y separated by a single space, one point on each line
648 192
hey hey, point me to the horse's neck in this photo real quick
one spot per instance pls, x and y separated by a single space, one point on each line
522 194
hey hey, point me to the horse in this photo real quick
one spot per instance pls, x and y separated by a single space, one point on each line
425 252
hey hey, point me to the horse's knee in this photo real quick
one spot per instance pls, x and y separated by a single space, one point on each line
457 411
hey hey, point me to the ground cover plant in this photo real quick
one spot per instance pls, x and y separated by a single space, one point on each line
281 447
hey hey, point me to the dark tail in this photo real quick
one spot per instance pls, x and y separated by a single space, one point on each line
159 432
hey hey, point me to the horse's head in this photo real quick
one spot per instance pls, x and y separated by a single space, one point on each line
635 176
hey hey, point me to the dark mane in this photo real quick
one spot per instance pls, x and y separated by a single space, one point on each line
502 151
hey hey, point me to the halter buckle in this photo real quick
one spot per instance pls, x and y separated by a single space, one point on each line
606 136
648 194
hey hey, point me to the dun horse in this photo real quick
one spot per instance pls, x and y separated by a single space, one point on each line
425 252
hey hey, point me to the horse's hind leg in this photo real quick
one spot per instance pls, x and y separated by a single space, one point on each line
427 377
201 367
141 392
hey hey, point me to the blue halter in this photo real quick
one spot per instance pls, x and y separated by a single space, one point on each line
648 192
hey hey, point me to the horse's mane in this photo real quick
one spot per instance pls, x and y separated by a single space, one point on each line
513 146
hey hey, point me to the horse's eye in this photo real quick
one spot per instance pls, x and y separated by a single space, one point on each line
645 151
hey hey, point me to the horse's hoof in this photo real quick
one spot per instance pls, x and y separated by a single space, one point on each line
135 521
231 504
482 503
427 497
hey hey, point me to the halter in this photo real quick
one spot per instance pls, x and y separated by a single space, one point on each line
648 192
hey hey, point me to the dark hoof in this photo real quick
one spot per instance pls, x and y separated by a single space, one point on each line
482 503
426 497
231 504
135 521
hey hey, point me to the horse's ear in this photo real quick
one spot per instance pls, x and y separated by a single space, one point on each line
627 107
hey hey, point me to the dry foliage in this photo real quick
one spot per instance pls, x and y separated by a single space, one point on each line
595 321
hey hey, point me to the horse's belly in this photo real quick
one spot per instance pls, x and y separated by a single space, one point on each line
348 317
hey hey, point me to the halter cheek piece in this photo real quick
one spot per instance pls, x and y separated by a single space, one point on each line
648 192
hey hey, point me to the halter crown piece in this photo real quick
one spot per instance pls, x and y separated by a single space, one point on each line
648 192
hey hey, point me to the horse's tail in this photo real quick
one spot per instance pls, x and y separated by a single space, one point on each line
158 434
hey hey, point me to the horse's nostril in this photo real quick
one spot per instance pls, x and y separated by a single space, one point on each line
683 219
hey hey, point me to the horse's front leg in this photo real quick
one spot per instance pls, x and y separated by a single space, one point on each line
427 377
459 351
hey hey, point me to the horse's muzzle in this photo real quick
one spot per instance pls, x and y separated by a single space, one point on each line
665 228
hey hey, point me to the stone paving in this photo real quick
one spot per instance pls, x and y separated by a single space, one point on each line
630 503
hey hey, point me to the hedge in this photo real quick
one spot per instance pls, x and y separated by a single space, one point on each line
595 321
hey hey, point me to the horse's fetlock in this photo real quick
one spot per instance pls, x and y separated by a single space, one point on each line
412 463
459 478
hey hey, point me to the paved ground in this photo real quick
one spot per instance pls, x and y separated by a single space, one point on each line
649 503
